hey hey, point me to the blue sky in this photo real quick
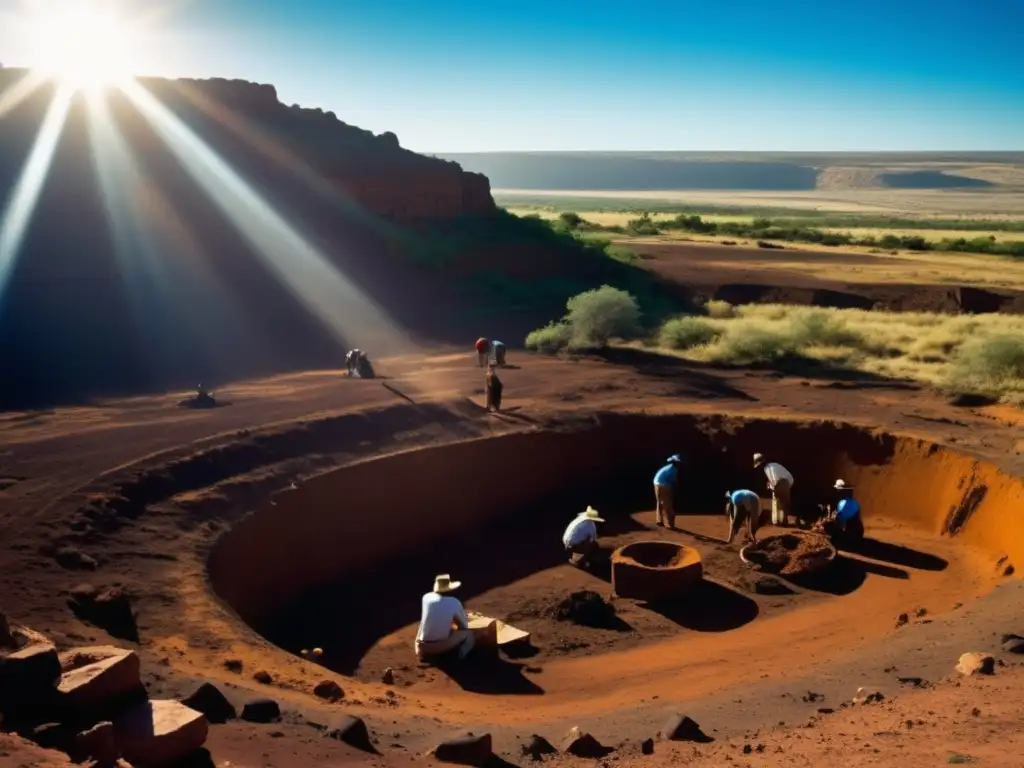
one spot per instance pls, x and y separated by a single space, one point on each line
455 75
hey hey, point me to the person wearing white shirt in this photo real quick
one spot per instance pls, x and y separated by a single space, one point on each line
443 624
580 538
780 483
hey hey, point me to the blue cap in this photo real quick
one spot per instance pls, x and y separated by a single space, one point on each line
675 457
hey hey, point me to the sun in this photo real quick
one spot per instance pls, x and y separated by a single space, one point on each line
85 45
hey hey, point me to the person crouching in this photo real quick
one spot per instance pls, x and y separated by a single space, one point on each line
443 623
741 507
845 525
483 349
580 538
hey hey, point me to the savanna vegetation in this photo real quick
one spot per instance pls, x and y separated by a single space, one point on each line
977 354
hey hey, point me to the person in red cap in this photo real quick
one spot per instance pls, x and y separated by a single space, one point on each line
483 349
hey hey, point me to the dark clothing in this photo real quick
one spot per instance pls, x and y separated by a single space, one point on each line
494 389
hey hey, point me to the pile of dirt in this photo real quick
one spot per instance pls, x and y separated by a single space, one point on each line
791 554
585 608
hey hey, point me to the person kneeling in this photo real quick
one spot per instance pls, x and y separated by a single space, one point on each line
844 524
580 538
443 625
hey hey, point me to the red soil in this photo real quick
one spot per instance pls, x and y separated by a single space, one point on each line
184 477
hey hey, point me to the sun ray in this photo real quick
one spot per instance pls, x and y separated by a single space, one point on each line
15 94
22 202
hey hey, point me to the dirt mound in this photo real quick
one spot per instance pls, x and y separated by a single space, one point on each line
791 554
585 608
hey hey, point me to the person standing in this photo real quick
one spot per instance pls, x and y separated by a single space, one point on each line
483 348
665 481
743 506
580 538
780 483
443 622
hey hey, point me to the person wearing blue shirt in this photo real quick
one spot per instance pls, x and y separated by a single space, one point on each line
665 481
743 506
498 348
846 520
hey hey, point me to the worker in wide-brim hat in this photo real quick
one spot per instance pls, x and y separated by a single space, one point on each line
743 506
666 480
444 626
580 538
845 523
780 483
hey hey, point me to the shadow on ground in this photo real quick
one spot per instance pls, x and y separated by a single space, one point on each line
487 673
708 607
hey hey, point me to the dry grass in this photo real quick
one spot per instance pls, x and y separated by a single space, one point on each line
980 353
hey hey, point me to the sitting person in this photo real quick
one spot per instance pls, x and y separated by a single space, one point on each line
743 506
844 523
580 538
444 626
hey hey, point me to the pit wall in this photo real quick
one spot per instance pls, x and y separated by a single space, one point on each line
377 510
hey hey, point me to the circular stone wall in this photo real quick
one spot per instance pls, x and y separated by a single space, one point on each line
655 570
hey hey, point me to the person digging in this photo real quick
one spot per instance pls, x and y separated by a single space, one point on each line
580 538
493 387
843 523
498 347
665 481
483 349
780 483
741 507
444 626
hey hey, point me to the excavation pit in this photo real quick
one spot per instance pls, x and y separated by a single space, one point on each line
341 562
792 554
655 570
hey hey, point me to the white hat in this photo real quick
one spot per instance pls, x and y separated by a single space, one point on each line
758 458
444 583
591 514
842 486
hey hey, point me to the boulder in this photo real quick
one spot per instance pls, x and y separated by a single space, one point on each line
465 750
98 743
388 678
263 677
209 700
582 744
976 664
109 609
352 731
682 728
328 690
261 711
155 733
647 747
538 747
1014 645
101 685
28 680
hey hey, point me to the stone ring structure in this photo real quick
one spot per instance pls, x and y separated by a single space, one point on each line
655 570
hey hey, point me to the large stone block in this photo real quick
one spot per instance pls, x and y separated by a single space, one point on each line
655 570
97 677
157 733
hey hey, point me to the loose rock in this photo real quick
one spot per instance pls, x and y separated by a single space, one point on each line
465 750
209 700
98 743
110 609
582 744
863 696
976 664
647 747
682 728
28 680
261 711
352 731
233 665
537 747
160 732
73 560
1013 644
388 678
328 690
263 677
103 684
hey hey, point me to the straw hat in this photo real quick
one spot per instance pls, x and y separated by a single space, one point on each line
444 583
758 459
675 458
842 486
591 514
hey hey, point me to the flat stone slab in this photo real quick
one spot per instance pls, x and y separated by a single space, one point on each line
116 673
157 733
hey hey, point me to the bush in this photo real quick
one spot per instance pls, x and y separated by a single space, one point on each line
550 339
686 333
644 225
745 344
988 364
602 314
571 220
719 309
820 329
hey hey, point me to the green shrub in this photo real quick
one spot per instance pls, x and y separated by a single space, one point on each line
745 344
602 314
719 309
550 339
643 225
821 329
686 333
989 363
571 220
